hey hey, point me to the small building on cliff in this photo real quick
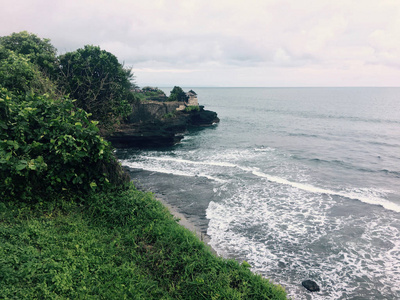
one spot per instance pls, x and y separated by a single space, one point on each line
192 98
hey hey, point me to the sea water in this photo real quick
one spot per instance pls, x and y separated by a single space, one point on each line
302 183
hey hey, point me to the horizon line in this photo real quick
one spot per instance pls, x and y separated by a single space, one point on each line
204 86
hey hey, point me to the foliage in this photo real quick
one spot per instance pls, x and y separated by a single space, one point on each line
39 51
152 89
60 255
177 94
151 94
48 147
99 82
170 115
118 245
20 75
67 227
192 108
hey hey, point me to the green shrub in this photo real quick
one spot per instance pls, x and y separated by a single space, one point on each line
39 51
150 94
169 115
99 82
20 75
192 108
177 94
48 147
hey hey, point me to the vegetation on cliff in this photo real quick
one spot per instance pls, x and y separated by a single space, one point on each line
149 93
177 94
71 223
38 51
101 85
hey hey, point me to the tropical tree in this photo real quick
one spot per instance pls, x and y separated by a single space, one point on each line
18 74
39 51
101 85
49 148
177 94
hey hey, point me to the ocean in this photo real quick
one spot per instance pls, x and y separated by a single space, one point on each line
302 183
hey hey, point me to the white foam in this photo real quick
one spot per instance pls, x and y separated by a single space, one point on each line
265 224
206 163
158 169
369 199
256 223
267 149
363 197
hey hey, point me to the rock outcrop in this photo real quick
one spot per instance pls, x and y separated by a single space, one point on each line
310 285
159 124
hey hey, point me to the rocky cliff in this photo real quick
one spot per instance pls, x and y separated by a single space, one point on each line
159 124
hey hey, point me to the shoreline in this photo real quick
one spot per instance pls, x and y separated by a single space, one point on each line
183 221
164 195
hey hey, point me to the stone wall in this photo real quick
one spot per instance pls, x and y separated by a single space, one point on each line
148 111
192 101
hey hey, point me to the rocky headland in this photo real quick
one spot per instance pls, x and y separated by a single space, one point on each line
159 124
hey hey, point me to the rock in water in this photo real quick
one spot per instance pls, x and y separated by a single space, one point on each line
310 285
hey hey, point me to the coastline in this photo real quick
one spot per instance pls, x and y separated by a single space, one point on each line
183 221
176 212
191 213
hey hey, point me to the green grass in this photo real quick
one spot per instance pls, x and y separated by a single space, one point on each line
151 95
169 115
192 108
118 245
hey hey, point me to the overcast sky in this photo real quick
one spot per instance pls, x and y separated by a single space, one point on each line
227 43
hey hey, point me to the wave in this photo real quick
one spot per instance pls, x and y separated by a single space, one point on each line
209 163
385 144
373 200
350 195
345 165
306 135
266 149
278 239
157 169
394 173
366 139
316 115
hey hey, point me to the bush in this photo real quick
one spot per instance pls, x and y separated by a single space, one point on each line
39 51
192 108
169 115
48 147
177 94
101 85
20 75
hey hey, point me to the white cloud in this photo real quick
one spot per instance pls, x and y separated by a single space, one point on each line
285 42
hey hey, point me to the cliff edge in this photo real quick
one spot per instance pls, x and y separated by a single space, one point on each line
159 124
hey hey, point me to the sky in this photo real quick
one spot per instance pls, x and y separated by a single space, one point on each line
226 43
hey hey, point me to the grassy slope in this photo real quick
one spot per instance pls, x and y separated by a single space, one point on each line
119 245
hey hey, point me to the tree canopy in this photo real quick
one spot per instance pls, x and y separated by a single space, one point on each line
20 75
101 85
39 51
177 94
48 148
49 145
92 76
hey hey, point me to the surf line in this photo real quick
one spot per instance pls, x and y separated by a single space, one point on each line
305 187
166 171
309 188
205 163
